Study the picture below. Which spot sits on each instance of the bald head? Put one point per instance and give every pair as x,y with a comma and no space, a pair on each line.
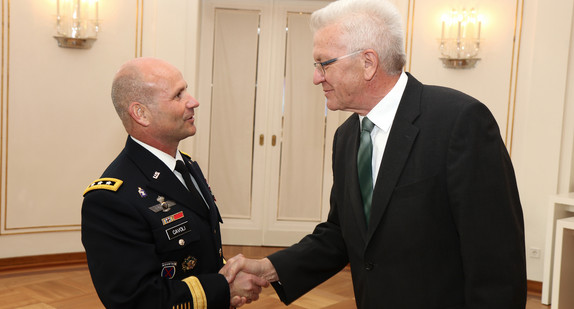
151,98
137,81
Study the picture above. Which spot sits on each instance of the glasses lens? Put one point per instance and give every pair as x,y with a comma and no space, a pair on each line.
319,66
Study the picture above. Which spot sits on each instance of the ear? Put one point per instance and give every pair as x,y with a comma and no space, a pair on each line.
371,60
139,113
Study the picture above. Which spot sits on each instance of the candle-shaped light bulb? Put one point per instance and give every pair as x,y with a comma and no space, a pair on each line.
479,25
442,29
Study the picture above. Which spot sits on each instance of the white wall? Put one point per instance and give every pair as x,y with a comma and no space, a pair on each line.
543,130
59,130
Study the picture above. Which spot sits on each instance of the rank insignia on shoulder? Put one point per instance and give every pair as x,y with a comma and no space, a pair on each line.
111,184
185,154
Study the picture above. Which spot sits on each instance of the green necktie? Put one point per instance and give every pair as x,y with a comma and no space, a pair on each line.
364,165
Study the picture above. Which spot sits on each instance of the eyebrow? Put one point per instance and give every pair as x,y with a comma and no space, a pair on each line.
180,89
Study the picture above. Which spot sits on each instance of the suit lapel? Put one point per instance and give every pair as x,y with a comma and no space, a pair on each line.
401,138
354,191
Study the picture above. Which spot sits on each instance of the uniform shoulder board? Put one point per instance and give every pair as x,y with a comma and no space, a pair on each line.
185,154
111,184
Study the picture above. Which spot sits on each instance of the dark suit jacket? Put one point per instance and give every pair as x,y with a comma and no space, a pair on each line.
137,255
446,228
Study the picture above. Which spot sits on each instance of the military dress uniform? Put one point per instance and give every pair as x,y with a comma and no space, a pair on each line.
151,243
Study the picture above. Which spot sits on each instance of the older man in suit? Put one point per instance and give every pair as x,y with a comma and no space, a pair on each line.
424,204
150,225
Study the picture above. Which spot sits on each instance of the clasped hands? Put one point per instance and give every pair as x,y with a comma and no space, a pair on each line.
247,277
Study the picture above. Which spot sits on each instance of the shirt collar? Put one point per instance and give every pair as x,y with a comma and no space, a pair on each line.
383,114
162,156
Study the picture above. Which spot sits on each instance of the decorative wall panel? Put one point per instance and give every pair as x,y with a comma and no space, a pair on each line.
60,129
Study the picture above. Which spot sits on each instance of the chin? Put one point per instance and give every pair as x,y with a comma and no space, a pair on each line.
191,129
333,106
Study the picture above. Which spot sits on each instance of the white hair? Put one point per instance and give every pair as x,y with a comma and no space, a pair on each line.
374,24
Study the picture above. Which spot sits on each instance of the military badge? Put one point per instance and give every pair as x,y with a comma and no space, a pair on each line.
172,218
168,269
163,205
142,192
188,263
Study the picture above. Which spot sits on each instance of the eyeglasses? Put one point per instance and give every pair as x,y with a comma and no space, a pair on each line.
321,65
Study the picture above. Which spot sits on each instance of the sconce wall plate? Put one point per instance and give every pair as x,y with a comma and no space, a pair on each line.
462,63
79,43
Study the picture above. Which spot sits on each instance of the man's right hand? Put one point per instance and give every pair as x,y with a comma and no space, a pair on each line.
246,277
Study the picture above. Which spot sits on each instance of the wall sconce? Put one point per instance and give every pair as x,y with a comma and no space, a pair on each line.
77,23
460,39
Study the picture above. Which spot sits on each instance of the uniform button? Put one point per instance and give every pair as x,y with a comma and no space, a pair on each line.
181,242
369,266
220,253
214,231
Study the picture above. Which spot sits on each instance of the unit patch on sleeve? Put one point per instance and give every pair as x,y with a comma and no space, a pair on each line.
111,184
168,269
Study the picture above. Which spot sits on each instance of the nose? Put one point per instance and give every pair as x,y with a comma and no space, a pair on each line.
318,76
192,102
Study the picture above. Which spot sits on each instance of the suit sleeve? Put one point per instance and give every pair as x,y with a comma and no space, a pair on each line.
316,258
124,265
487,211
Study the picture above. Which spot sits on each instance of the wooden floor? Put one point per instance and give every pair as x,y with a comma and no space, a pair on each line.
70,286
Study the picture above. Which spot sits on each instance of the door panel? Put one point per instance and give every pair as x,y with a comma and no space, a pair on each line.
233,109
303,128
268,133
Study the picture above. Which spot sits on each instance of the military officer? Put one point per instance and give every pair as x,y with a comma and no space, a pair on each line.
150,225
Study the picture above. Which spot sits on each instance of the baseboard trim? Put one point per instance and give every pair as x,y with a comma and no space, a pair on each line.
38,261
534,287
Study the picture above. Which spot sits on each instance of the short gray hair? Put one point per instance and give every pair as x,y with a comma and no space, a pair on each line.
129,86
374,24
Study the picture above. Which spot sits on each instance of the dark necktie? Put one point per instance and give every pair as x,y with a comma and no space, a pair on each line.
364,166
182,169
185,172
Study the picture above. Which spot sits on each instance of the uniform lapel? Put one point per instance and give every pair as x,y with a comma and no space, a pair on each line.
162,179
205,190
401,138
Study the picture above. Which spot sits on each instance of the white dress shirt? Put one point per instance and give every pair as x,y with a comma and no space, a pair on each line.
382,115
170,162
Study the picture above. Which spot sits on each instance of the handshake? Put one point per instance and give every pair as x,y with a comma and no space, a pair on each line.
247,277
